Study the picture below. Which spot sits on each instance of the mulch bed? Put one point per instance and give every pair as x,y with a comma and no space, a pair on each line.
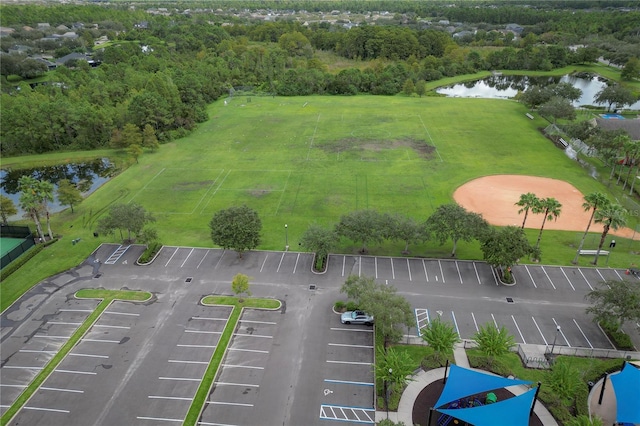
429,395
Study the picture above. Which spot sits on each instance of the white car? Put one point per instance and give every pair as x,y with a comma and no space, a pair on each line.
356,317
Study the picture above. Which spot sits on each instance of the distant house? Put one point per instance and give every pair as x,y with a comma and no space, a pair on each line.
5,31
142,25
62,28
463,34
631,126
77,57
69,35
19,49
43,25
514,28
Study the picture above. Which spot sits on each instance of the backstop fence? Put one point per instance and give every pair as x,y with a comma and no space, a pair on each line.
12,231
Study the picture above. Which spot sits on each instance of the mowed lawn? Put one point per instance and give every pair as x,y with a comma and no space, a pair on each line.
311,159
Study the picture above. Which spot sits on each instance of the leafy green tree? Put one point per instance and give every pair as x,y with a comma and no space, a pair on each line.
149,139
405,229
134,151
567,91
452,221
131,217
615,302
394,368
240,285
34,199
421,88
7,208
441,337
365,226
612,216
535,96
296,44
68,194
631,69
615,94
503,247
550,208
592,201
236,228
319,240
529,202
408,88
493,342
389,309
558,108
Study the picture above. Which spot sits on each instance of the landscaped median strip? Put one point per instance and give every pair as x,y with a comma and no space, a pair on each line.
107,297
197,405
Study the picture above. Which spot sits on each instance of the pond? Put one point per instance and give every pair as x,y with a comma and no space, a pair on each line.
507,86
89,176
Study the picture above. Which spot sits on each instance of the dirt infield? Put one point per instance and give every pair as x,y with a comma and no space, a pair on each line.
495,197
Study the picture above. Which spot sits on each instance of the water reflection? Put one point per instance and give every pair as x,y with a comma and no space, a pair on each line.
508,86
88,176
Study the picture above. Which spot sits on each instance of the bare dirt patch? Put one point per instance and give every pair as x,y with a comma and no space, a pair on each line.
191,186
355,144
260,192
495,197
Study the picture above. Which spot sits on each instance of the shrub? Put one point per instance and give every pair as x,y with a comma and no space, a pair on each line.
340,306
351,306
150,252
619,338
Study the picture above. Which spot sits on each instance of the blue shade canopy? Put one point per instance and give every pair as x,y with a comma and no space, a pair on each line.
626,386
463,382
508,412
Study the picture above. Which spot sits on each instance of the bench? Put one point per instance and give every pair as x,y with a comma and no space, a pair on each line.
593,252
529,116
563,142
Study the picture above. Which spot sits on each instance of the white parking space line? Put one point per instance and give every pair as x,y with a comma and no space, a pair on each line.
176,398
545,272
203,332
209,319
187,258
585,278
54,410
605,335
359,266
237,384
214,424
351,329
393,271
101,340
527,269
160,419
252,335
51,337
12,386
561,332
424,266
348,382
174,253
375,265
455,323
196,346
519,332
37,352
344,261
441,273
263,262
220,260
202,260
583,335
495,323
177,361
63,323
475,323
258,322
350,346
242,366
539,331
568,280
112,326
409,269
349,362
281,259
296,265
601,276
459,274
131,314
477,275
88,373
18,367
180,379
248,350
88,355
61,390
76,310
495,276
237,404
619,276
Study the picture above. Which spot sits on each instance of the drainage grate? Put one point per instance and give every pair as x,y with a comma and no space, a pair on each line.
97,275
509,300
188,280
312,287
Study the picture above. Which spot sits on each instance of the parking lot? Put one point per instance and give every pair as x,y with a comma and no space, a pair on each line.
141,363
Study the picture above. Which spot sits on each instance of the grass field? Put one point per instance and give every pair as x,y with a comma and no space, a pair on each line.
304,160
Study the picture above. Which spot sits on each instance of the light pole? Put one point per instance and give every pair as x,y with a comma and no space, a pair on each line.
286,237
387,391
555,338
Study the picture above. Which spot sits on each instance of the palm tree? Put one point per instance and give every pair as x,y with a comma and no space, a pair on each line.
45,192
551,209
592,202
613,217
30,201
633,151
528,202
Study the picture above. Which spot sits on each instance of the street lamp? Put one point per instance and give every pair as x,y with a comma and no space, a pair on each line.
555,338
387,391
286,237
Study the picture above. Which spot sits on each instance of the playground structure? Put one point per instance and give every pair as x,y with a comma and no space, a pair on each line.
468,402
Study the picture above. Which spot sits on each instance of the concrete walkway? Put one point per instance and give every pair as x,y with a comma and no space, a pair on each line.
425,378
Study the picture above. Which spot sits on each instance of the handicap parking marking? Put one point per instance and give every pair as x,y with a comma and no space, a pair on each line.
348,414
422,319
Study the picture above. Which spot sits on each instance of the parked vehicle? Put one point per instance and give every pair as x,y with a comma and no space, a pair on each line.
356,317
